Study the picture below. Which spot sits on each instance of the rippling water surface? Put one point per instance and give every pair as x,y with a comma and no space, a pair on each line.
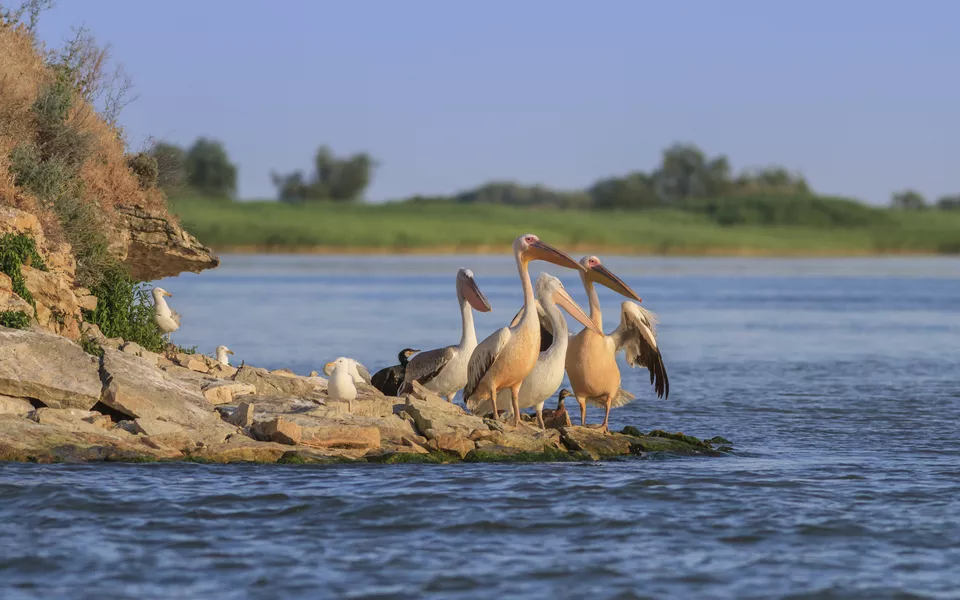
837,381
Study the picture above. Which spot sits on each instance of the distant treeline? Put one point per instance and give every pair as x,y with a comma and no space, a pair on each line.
686,179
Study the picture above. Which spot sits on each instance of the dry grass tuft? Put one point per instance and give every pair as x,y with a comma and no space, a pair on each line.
104,175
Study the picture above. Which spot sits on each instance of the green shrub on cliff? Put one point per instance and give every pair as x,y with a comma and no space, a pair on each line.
124,310
17,250
14,319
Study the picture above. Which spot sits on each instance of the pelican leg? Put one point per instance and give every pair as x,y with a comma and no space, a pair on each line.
606,416
515,398
493,402
540,416
583,411
349,406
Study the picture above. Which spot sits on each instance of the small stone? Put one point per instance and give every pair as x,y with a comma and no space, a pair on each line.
243,416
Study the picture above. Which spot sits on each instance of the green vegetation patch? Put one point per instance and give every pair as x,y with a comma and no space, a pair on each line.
14,319
124,310
17,250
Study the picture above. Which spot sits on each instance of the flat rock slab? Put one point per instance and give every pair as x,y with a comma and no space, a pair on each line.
48,368
434,416
268,383
136,388
222,391
24,440
595,442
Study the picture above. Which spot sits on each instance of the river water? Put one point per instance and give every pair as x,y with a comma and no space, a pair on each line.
836,380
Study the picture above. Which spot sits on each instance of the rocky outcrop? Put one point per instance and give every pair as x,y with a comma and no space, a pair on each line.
59,404
156,247
58,298
47,368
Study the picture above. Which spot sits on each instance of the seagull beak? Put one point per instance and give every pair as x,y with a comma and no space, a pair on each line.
543,251
606,278
168,294
565,302
474,296
229,351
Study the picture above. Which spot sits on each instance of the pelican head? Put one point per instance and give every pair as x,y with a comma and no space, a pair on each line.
551,290
405,355
528,247
467,288
593,270
160,292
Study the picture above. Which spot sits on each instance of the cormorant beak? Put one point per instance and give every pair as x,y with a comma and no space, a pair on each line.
565,302
602,275
473,295
540,250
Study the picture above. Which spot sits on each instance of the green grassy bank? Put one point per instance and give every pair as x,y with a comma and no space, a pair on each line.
775,227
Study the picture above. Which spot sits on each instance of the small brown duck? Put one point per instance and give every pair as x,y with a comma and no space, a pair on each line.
555,419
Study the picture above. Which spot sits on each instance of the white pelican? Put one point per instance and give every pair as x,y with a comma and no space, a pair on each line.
222,358
508,355
444,370
167,320
390,379
342,384
357,371
592,359
545,378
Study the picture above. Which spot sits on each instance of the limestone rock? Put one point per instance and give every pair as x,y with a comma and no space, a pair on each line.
26,440
340,436
595,442
13,220
136,388
268,383
242,449
222,371
74,420
193,362
243,415
221,391
156,247
48,368
435,416
137,350
9,300
529,441
283,373
15,406
58,309
279,430
451,444
154,427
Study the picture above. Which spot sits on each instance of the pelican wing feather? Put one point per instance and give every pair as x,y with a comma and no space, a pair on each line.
483,358
637,337
425,367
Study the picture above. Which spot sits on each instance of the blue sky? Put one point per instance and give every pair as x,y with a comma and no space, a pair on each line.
862,96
